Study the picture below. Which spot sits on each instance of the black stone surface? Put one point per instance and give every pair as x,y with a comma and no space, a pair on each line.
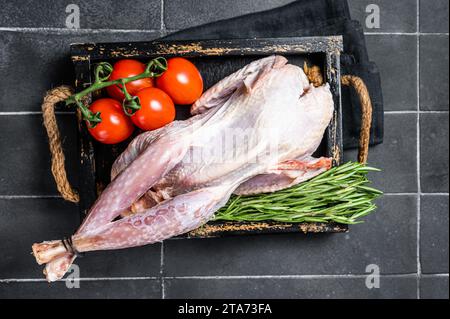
180,14
25,164
387,239
99,14
38,61
434,143
435,287
30,220
433,74
396,157
47,219
34,51
434,234
395,16
291,288
104,289
396,58
434,16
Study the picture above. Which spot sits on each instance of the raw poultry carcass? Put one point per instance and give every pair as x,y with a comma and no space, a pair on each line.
253,132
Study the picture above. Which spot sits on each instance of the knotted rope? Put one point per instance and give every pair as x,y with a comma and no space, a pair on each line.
53,97
315,77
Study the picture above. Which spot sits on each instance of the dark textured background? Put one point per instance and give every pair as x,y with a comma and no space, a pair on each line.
407,237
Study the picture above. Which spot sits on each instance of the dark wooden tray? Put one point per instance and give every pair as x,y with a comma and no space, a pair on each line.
215,59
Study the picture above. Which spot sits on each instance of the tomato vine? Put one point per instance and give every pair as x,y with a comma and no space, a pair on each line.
102,72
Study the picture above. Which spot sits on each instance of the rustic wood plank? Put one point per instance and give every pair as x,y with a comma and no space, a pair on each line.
335,135
87,183
220,228
284,46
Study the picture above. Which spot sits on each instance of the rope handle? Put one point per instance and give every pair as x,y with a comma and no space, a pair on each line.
366,114
315,77
51,98
61,93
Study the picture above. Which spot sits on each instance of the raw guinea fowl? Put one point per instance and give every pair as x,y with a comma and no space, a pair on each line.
253,132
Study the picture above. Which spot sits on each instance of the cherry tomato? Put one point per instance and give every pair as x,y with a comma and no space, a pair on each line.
115,126
182,81
125,69
157,109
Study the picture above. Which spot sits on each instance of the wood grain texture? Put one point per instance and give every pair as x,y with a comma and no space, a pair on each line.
242,47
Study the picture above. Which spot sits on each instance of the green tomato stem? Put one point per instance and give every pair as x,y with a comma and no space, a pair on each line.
154,68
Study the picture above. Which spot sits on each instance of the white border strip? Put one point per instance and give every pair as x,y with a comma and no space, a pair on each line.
163,28
76,31
419,191
19,280
342,276
30,197
406,33
161,271
415,112
20,113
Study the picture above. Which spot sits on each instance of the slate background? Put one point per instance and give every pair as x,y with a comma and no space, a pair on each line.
407,237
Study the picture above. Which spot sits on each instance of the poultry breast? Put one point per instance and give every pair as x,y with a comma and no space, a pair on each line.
254,131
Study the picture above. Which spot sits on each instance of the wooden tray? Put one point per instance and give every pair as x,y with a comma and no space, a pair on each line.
215,59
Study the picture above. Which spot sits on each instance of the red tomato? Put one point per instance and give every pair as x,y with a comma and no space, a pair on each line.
157,109
115,126
182,81
126,69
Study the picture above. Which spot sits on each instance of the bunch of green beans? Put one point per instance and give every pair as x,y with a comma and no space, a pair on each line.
338,195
